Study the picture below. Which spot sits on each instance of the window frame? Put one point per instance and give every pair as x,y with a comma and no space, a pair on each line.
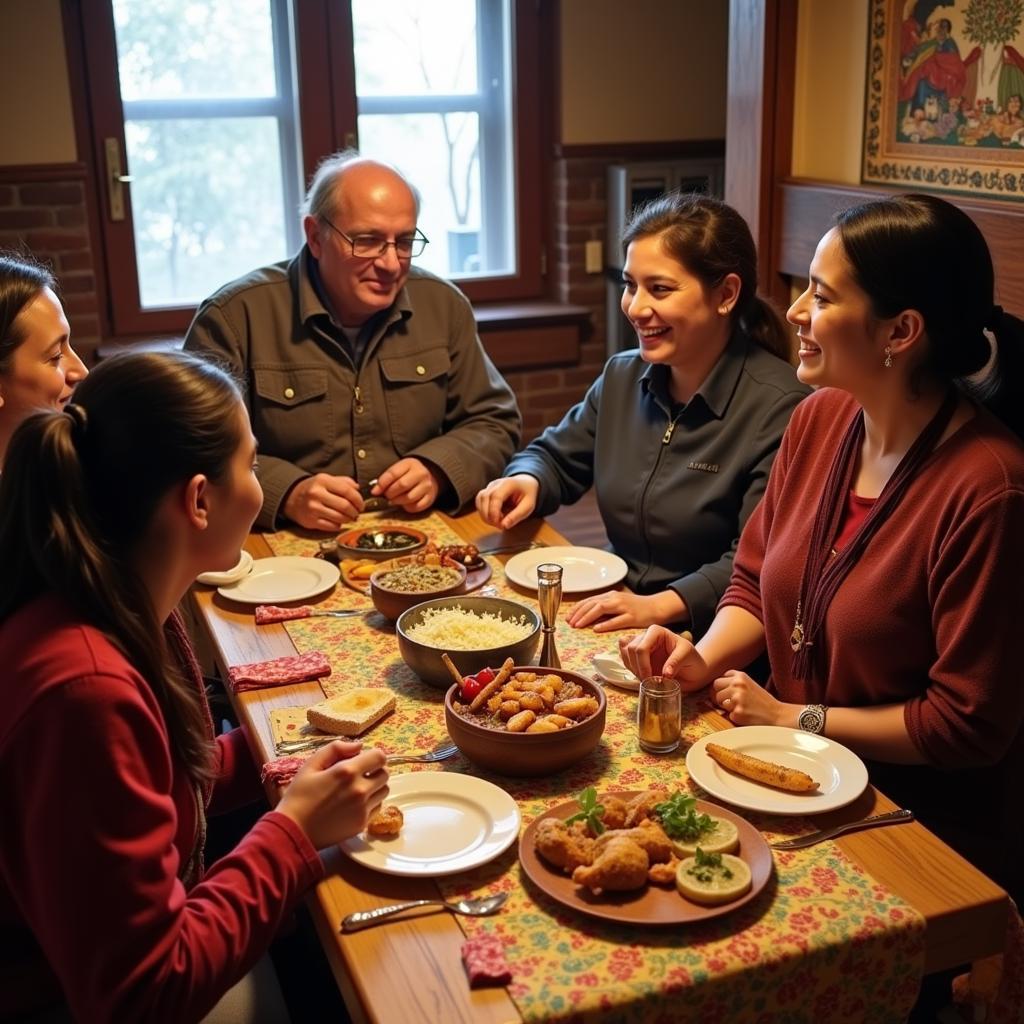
324,76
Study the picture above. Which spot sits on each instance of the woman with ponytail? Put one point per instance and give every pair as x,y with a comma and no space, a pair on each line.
676,436
109,509
882,570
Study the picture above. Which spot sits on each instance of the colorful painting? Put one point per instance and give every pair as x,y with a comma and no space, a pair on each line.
945,96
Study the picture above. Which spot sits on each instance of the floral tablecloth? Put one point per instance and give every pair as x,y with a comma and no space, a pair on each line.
824,941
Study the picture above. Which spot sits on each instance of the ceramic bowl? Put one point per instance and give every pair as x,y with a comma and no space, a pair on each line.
349,546
391,603
528,754
426,662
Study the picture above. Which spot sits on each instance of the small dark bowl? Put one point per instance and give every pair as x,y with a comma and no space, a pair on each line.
426,662
348,542
528,754
391,603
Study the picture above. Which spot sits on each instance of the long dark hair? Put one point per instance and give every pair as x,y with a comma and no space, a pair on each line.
711,240
21,280
80,488
920,252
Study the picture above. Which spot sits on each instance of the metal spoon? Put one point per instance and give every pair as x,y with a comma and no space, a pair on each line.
472,908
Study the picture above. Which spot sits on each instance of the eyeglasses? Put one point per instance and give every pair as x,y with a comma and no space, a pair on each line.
373,246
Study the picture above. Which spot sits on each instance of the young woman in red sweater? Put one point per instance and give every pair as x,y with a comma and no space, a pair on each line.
881,571
109,509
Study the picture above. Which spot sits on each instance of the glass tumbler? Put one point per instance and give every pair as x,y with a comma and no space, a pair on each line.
659,714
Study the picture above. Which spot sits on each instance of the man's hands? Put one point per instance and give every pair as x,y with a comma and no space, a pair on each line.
323,502
410,484
326,502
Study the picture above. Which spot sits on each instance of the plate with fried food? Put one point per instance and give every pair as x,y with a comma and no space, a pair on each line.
436,823
648,866
776,770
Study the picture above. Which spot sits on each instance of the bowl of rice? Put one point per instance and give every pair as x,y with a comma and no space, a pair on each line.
474,631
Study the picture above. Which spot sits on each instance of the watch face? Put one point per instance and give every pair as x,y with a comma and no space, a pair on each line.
812,719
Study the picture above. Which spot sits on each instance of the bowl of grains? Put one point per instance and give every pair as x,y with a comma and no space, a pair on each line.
474,631
403,582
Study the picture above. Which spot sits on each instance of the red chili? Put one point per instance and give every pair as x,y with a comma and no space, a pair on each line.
471,686
485,676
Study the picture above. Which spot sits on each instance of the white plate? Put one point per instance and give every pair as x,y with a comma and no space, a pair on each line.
614,673
839,772
221,579
452,823
582,568
274,580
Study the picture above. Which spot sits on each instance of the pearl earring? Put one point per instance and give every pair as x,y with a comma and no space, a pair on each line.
888,357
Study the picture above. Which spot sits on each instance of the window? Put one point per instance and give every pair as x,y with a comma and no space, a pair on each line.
208,118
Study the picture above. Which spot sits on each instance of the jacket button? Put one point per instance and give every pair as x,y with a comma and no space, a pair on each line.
421,370
361,453
289,392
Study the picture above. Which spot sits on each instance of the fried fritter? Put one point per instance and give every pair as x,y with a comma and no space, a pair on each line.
649,836
385,822
614,812
563,846
663,874
640,808
620,865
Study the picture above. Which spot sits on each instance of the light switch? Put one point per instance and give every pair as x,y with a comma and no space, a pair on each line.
593,257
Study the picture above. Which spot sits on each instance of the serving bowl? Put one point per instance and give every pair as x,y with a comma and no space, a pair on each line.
391,603
371,541
525,754
425,660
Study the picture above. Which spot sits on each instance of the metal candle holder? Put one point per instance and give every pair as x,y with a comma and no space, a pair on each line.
549,598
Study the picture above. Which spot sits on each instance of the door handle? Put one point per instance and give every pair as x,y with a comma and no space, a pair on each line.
116,178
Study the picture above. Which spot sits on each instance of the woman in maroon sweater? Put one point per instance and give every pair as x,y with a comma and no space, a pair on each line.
108,512
881,569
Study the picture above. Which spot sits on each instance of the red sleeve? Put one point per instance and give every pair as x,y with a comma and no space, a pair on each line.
90,858
974,704
237,781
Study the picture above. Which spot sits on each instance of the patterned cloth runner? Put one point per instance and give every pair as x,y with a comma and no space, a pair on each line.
824,941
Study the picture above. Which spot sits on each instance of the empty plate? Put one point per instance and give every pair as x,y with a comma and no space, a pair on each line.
583,569
276,580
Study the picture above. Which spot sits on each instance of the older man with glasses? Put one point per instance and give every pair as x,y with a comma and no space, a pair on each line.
365,375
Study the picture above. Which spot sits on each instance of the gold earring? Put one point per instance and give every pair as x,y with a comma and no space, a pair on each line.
888,357
723,310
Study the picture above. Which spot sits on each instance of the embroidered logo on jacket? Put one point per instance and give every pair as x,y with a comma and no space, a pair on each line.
704,467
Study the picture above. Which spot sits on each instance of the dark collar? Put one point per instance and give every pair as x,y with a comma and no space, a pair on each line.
313,300
718,387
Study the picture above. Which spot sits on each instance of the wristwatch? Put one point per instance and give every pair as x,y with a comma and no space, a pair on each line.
812,718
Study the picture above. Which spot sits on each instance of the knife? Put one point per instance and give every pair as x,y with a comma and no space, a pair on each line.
889,818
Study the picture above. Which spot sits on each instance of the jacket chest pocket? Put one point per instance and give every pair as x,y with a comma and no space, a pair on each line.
291,411
416,394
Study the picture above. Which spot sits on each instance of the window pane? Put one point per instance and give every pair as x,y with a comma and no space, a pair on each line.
415,47
169,49
207,202
434,96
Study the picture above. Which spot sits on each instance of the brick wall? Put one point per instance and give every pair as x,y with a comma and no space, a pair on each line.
42,210
578,192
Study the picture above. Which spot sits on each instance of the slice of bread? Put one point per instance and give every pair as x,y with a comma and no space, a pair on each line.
353,712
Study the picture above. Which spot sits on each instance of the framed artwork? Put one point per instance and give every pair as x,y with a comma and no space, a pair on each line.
945,97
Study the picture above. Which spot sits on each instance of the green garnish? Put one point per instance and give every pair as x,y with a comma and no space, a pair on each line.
680,820
705,866
591,812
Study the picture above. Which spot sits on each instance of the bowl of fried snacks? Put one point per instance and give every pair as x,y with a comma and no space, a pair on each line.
526,720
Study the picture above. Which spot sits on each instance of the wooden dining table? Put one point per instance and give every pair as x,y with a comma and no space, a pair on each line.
411,969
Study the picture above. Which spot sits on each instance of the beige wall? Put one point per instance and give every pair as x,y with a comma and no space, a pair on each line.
36,125
831,71
643,70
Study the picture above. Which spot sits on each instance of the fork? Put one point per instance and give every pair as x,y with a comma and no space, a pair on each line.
830,833
437,754
472,908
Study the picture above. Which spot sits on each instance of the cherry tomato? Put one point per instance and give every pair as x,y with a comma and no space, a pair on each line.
471,686
485,675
